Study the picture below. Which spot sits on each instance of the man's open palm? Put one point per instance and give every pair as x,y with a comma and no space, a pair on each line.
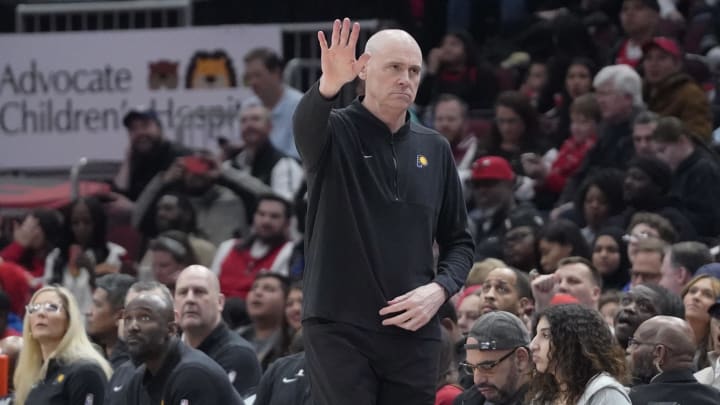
339,65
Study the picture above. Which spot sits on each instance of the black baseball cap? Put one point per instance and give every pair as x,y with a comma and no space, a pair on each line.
498,330
140,113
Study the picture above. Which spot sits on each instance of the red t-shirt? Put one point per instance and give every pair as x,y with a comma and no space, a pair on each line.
446,394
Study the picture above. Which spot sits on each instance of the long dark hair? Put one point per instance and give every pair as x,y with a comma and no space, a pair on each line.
521,105
610,182
621,276
581,346
51,223
98,239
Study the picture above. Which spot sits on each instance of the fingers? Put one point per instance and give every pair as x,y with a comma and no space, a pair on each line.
393,307
399,299
345,32
354,35
336,33
322,41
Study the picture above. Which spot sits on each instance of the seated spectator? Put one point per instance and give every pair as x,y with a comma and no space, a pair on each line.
681,262
584,119
641,303
266,308
639,20
696,176
293,310
264,75
506,289
260,158
514,133
199,305
171,253
698,295
221,213
647,262
285,382
147,154
642,130
557,240
58,364
577,82
520,242
450,116
498,359
491,186
266,250
661,357
87,253
469,308
609,256
598,200
710,375
104,314
619,95
644,226
646,187
35,244
535,80
174,211
578,361
454,68
670,92
576,277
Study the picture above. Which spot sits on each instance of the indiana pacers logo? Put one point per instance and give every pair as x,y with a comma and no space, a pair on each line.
421,161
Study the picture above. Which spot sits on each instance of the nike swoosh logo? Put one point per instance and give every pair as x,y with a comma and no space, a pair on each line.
118,388
368,156
288,380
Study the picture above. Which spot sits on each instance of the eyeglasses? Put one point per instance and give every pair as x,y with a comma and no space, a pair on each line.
636,237
47,307
485,365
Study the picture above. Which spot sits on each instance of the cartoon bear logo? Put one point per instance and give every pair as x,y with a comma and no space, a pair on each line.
163,73
210,70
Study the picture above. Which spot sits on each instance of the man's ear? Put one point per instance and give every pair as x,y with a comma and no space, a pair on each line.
363,72
173,329
221,302
118,315
522,359
448,324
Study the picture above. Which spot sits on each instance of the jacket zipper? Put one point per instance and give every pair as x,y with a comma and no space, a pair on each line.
394,155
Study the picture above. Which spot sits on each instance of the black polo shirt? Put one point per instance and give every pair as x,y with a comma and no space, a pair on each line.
187,376
236,356
80,382
115,393
285,383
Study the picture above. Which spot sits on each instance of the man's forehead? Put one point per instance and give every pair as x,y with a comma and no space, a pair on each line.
642,292
145,300
575,270
502,275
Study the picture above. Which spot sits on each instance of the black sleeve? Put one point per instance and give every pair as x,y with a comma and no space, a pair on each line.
86,385
196,386
265,388
453,235
244,363
311,127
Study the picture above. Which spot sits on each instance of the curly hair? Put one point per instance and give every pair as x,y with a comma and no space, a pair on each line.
581,346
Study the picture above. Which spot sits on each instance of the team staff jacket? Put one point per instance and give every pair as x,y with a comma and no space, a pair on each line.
187,377
285,383
79,382
236,356
376,203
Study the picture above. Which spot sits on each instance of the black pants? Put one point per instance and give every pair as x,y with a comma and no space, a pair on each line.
352,366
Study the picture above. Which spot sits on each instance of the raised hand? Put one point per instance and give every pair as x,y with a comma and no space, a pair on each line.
338,62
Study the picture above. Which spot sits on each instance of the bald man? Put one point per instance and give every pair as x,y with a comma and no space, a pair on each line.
661,356
381,189
199,305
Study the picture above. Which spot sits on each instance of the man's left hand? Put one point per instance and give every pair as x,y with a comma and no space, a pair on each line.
415,308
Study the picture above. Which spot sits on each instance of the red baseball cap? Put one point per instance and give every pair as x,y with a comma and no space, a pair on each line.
196,164
666,44
492,168
559,299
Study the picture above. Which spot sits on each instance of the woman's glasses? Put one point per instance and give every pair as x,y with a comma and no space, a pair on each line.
47,307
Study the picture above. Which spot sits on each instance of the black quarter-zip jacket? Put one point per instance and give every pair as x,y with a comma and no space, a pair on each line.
376,203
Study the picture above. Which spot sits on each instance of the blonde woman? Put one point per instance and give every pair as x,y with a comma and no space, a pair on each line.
698,295
58,365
